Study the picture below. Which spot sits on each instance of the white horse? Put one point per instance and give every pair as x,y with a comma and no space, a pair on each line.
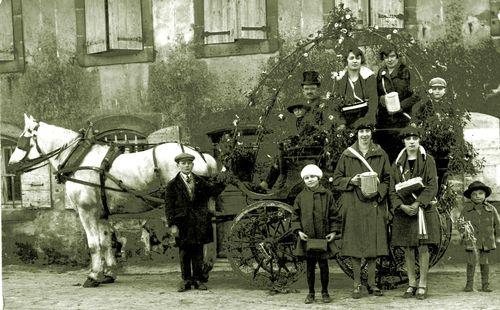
136,170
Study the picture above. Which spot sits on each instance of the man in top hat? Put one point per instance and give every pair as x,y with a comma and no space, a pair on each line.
186,209
485,222
310,90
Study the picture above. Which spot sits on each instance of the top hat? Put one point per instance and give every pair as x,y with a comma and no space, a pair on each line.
410,131
310,78
183,156
475,186
437,81
291,107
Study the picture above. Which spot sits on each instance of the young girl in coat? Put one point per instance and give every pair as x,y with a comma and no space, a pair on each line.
486,223
315,217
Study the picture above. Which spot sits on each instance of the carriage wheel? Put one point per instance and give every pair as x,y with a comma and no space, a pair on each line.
261,244
391,270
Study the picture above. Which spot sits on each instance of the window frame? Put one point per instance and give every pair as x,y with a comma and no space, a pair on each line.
112,57
238,47
17,64
10,204
367,17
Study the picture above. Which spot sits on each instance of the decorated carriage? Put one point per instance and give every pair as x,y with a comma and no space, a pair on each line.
259,242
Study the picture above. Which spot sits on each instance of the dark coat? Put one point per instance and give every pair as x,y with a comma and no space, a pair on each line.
191,216
397,81
318,106
366,89
364,232
405,227
486,223
314,213
427,108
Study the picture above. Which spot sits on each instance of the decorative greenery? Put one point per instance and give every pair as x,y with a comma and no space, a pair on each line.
52,89
182,89
279,83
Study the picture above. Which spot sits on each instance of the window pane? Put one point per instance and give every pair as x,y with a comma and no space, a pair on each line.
359,9
387,13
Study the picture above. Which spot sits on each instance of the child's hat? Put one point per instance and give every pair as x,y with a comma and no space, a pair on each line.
475,186
437,81
311,170
291,107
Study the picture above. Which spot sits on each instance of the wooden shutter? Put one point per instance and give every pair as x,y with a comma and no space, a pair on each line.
95,26
6,31
251,22
387,13
125,24
36,187
219,21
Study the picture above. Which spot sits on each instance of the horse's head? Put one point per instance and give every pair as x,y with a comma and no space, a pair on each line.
26,148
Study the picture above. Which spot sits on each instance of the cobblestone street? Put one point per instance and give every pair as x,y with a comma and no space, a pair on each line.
141,287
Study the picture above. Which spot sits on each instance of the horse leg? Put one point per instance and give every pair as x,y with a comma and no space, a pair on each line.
89,222
108,251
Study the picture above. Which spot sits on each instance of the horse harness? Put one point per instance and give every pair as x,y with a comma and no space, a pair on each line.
71,164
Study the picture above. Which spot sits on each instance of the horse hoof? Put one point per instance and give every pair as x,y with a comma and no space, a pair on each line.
107,279
90,283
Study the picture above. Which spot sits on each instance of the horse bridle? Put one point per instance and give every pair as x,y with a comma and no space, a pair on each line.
24,144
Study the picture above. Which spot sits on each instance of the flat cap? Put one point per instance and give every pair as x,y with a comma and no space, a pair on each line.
183,156
437,81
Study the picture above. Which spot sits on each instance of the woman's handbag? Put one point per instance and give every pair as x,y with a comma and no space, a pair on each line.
317,245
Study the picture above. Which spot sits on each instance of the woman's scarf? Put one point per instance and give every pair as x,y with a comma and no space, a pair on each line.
419,166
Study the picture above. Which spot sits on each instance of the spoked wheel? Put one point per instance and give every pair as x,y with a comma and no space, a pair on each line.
391,270
261,244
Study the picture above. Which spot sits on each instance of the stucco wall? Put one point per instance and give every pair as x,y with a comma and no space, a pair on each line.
123,88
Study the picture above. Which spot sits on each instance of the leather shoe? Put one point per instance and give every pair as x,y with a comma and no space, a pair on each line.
184,286
374,290
309,299
200,286
356,293
325,297
410,292
421,296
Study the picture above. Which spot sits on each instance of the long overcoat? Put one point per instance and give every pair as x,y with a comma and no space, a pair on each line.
364,232
486,223
405,227
315,214
190,215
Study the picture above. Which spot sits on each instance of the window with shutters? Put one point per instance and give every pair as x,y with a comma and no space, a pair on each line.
236,27
11,36
114,31
381,13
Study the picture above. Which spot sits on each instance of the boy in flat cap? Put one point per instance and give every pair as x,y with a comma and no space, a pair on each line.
186,209
437,105
486,228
